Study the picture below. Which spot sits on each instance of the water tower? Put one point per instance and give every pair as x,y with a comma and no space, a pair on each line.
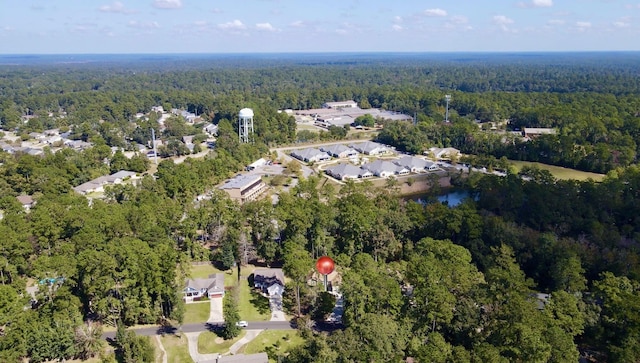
245,124
446,115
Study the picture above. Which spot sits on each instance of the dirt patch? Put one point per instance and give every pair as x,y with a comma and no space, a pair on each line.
219,340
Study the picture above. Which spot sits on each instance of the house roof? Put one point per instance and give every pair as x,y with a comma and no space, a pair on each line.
214,283
308,154
343,169
337,149
267,273
412,162
25,199
380,166
368,146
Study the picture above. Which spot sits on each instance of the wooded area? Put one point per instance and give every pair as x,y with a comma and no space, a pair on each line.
429,281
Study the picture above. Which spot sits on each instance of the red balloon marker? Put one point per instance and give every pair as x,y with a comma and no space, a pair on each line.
325,266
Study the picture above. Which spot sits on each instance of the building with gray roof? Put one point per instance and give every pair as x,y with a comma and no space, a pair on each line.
415,164
385,169
310,155
339,151
344,171
371,148
244,187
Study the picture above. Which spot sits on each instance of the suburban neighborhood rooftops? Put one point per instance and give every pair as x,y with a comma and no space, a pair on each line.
369,147
412,162
337,149
346,170
274,274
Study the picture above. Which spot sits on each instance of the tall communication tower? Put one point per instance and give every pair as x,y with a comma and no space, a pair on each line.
446,115
245,124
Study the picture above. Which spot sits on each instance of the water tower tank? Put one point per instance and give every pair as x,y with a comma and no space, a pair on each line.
246,112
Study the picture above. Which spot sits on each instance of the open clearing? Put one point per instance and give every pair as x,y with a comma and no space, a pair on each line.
559,172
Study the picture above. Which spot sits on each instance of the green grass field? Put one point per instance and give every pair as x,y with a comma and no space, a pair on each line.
203,271
280,340
559,172
209,342
177,348
197,312
251,305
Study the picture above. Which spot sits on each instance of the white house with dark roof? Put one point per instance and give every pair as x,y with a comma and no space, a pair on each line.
196,289
310,155
339,151
344,171
371,148
385,169
269,280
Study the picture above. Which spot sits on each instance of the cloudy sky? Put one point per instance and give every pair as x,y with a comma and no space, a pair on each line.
231,26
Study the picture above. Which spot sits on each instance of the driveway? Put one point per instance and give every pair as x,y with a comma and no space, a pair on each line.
215,314
275,303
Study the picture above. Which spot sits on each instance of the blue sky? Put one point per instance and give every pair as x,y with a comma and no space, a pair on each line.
232,26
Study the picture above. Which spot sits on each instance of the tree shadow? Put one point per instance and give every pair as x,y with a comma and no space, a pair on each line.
260,302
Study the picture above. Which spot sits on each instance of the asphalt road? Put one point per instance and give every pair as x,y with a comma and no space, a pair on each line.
200,327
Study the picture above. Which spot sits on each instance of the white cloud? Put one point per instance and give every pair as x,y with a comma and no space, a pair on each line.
200,23
503,22
115,7
458,22
341,31
397,19
297,24
265,27
536,4
435,12
621,24
555,22
583,24
216,11
232,25
143,25
397,28
167,4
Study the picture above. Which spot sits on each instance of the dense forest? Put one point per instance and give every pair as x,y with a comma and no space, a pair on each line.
422,280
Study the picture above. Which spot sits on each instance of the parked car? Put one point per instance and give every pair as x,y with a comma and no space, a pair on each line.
242,324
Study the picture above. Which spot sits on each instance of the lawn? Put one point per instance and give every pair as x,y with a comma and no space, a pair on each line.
209,343
177,348
281,341
252,306
197,312
559,172
203,271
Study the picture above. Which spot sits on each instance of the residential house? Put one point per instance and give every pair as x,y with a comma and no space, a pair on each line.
269,280
244,187
77,144
339,151
385,169
414,164
442,153
371,148
196,289
211,129
7,148
310,155
52,132
157,109
26,201
344,171
37,135
431,166
97,185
